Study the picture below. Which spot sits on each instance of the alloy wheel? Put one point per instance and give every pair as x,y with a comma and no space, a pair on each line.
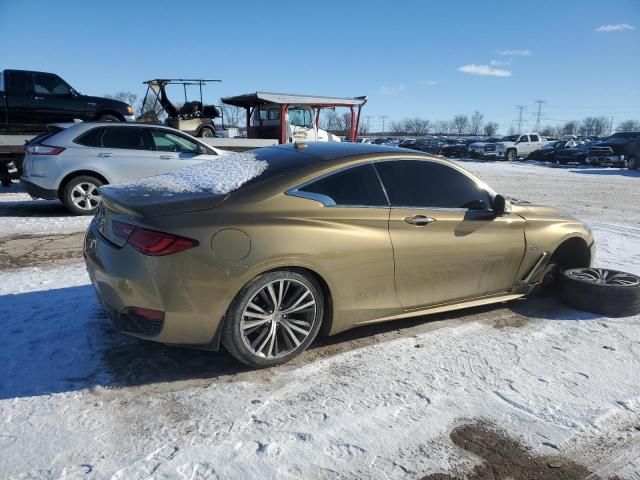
278,318
604,277
85,196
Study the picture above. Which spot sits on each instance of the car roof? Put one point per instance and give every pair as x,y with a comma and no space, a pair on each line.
328,151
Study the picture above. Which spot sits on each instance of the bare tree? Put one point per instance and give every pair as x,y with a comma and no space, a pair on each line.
233,116
477,120
490,129
126,97
629,126
460,124
548,131
570,127
597,126
398,127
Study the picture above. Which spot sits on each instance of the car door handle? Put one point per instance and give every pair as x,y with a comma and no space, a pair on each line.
105,154
419,220
167,157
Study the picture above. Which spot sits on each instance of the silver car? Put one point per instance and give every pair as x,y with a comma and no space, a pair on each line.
73,160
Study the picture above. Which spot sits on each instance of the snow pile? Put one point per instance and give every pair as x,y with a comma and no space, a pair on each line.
220,176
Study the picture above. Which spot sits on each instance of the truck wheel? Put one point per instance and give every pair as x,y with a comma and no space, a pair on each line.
207,132
598,290
511,155
107,117
632,163
81,195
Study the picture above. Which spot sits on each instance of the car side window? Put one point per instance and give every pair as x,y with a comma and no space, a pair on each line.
535,138
127,138
165,141
523,138
426,184
17,83
357,186
47,84
92,138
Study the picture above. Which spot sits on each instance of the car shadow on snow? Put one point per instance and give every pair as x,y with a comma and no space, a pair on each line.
623,172
60,340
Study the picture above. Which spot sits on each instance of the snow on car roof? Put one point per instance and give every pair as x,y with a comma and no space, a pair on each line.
219,176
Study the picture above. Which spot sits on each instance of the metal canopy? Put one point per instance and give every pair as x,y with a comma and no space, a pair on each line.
261,98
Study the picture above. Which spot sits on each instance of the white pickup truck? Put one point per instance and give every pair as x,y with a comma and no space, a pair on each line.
518,146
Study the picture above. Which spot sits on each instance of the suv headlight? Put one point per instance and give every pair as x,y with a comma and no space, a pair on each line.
129,109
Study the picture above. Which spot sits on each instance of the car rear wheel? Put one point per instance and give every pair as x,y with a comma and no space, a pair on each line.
274,318
598,290
81,195
632,163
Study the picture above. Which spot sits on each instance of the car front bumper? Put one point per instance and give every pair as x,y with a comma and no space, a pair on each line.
613,159
130,118
36,191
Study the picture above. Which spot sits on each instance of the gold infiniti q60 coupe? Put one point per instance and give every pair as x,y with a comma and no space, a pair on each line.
262,250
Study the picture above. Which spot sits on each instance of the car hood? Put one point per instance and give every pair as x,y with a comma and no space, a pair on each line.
574,151
532,211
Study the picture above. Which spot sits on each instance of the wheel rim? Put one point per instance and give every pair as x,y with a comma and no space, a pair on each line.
85,196
604,277
278,318
206,133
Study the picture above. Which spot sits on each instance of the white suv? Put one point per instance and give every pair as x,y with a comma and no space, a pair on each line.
73,160
518,146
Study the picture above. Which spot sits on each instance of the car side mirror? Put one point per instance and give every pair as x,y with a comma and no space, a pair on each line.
499,205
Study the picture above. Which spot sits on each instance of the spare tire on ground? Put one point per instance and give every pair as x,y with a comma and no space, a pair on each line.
608,292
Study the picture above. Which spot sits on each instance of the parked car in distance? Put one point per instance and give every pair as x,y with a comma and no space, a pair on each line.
547,152
72,161
29,101
403,234
458,148
521,146
407,143
577,154
429,145
612,150
486,148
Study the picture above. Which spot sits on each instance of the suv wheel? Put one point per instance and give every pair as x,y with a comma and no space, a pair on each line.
598,290
274,318
632,163
81,195
511,155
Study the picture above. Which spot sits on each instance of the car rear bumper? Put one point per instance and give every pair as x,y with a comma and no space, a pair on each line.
125,279
36,191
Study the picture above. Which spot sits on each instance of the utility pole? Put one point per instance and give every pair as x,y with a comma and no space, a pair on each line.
383,117
539,102
521,109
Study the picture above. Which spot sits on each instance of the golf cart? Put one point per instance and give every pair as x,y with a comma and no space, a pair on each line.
191,117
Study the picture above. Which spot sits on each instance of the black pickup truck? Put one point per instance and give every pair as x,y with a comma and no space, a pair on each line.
31,100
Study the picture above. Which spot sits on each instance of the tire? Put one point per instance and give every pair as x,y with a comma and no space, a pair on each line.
632,163
254,304
107,117
606,292
76,188
207,132
511,156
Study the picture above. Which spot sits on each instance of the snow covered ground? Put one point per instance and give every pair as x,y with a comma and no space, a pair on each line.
78,400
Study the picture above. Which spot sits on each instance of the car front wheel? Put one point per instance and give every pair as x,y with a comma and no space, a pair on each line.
81,195
274,318
511,155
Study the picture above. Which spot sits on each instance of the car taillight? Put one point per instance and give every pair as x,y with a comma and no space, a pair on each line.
151,242
44,150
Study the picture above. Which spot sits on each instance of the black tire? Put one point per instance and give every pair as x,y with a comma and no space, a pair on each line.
612,300
107,117
70,195
232,337
512,155
632,163
207,132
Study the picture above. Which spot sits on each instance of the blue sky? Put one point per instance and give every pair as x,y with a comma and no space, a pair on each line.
406,56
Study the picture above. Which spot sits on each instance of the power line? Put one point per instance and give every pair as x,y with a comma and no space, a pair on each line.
521,109
539,102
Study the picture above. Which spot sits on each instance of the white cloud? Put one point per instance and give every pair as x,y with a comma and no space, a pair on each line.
484,70
430,82
497,63
391,89
619,27
514,53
